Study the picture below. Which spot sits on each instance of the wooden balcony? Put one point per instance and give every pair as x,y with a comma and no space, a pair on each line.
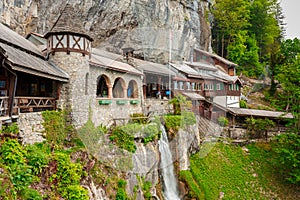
35,104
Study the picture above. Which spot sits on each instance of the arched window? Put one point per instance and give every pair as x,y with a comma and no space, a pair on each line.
102,86
132,90
86,92
118,88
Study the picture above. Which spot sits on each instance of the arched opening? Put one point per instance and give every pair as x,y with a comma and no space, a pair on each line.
132,90
118,88
102,86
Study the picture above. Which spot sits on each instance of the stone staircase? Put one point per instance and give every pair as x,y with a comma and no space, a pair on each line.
208,128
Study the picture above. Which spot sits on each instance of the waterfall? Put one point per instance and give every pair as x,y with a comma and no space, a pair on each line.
169,181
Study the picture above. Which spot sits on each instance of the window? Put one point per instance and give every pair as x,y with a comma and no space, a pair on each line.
118,91
102,86
175,85
218,86
193,86
2,84
180,85
132,91
188,85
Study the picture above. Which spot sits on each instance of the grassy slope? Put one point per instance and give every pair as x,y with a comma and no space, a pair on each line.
237,174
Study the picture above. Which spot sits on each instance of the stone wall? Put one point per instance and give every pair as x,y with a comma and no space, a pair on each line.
31,127
157,106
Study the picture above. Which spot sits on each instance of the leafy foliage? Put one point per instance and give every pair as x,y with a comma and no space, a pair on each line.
75,192
123,140
121,194
57,126
258,128
288,148
223,121
13,128
180,103
174,122
139,118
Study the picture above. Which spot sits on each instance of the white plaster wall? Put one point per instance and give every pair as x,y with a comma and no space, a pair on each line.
233,101
221,100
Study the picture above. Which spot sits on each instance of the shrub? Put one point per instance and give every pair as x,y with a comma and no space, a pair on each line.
123,139
188,118
75,192
67,173
121,194
30,194
151,132
138,118
37,158
287,147
243,104
55,127
13,128
223,121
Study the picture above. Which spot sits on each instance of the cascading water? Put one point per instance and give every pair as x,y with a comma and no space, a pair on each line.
166,165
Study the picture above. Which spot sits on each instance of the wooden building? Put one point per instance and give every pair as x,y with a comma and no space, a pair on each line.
27,81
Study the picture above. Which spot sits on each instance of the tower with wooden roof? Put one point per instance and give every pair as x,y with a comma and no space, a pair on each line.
68,35
69,47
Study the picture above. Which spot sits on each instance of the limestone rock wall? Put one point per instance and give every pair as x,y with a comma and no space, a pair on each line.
151,27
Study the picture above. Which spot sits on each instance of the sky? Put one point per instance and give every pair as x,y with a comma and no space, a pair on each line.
292,18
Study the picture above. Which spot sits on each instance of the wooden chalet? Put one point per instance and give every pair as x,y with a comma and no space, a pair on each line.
27,81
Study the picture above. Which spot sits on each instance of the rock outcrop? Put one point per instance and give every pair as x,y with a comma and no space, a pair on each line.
152,27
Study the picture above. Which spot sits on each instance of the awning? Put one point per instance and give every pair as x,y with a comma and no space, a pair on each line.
193,96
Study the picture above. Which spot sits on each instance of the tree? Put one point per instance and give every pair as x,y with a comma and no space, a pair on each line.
230,18
287,73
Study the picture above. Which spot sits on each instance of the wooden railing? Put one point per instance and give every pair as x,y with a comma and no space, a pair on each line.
3,106
31,104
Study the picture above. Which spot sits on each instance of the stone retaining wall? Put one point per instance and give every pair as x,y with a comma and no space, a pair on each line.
31,127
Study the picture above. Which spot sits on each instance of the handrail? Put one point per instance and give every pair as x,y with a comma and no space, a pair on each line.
29,104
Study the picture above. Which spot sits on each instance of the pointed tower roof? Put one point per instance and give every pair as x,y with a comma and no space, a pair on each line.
68,22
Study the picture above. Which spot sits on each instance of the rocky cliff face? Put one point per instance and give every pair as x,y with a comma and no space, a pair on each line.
151,27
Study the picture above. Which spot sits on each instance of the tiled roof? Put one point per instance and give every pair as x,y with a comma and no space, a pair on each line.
185,69
24,62
193,95
259,113
10,37
26,57
202,65
109,60
217,57
154,68
68,22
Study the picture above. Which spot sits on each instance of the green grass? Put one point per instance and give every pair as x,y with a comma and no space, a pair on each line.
237,174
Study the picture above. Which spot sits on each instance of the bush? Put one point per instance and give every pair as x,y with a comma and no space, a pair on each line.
223,121
123,140
13,128
30,194
138,118
67,172
37,159
121,194
13,155
243,104
75,192
287,147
